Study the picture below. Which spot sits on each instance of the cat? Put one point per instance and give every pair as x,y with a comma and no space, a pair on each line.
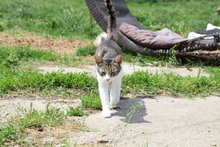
108,58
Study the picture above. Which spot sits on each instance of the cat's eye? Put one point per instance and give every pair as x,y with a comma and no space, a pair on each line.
113,74
102,73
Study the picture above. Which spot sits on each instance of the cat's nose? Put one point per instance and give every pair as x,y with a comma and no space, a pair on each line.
107,80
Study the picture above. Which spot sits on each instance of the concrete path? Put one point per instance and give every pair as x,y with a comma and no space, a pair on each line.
160,122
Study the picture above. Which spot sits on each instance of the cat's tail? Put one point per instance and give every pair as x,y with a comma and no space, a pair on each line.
112,19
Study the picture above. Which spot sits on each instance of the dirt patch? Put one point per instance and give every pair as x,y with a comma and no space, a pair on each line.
55,135
62,46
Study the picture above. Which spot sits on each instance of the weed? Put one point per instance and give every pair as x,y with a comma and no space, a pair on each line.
66,143
145,144
134,109
75,112
122,127
32,118
11,133
91,101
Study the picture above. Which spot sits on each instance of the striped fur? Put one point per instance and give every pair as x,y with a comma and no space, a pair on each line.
111,20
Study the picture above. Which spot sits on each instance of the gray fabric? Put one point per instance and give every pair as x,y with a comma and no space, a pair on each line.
162,39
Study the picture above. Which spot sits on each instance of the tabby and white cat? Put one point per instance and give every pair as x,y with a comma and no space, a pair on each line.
108,58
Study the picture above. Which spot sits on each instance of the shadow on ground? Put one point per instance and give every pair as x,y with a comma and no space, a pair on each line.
134,110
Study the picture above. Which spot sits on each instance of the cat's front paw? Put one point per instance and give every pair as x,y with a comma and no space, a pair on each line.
106,114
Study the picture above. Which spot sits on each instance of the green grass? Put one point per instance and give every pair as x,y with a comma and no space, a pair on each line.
11,133
12,59
86,51
144,82
10,56
15,56
14,79
76,112
91,101
181,16
71,18
66,18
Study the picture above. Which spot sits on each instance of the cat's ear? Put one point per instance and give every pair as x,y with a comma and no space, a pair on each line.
98,59
118,59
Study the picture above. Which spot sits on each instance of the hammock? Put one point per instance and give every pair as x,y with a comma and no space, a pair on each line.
198,47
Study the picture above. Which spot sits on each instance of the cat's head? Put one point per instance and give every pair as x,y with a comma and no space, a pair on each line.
108,69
